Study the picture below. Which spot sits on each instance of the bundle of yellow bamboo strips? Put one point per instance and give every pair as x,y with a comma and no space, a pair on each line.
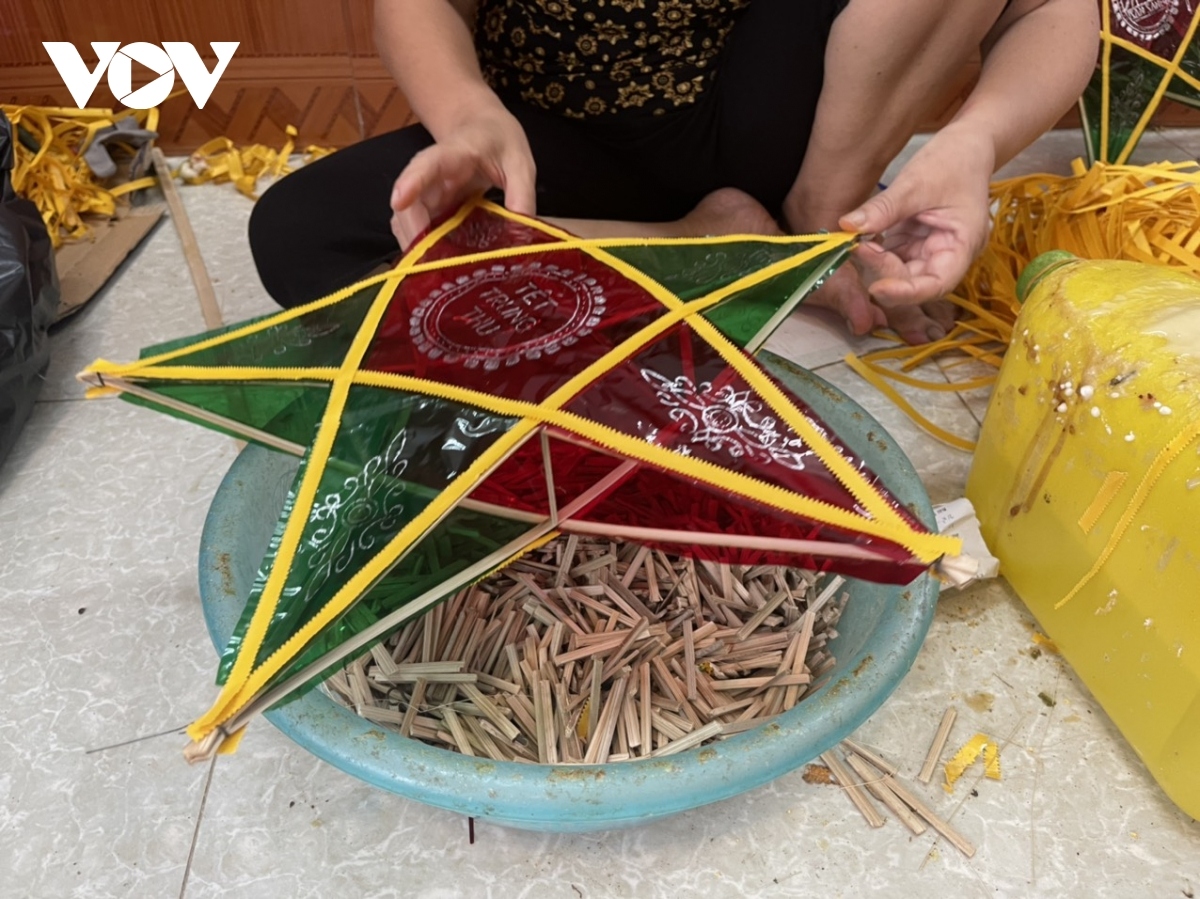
50,171
221,161
1144,213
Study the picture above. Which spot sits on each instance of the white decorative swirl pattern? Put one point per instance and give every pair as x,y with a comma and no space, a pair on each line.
360,517
726,420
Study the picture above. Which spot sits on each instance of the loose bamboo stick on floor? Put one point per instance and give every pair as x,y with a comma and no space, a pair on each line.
853,790
868,755
872,780
937,746
961,843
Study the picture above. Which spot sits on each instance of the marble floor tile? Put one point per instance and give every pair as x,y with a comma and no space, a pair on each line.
1187,140
813,337
958,370
102,640
220,215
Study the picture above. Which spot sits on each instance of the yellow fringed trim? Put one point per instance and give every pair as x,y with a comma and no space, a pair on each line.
965,758
1112,485
49,169
1142,213
221,161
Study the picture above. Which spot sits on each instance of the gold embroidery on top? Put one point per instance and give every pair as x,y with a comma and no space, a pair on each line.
674,13
583,58
560,9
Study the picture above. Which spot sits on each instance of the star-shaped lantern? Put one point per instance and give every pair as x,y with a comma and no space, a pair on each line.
504,383
1148,52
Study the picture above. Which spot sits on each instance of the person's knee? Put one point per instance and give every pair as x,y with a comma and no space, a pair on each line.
274,233
327,223
273,218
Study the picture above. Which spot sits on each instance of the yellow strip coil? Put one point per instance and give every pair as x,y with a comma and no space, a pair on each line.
221,161
49,169
1142,213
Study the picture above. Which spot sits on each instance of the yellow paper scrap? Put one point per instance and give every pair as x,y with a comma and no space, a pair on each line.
49,169
965,758
1045,642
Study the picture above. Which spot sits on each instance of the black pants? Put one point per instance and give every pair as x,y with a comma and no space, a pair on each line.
327,225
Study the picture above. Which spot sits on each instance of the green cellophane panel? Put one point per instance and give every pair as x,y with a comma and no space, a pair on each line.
171,346
695,270
1134,81
692,271
317,338
290,412
743,316
1179,90
464,538
393,454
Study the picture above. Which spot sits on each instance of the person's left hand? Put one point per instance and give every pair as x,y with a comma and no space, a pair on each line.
928,227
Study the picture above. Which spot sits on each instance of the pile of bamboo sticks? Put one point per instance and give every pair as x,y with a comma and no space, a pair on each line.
589,651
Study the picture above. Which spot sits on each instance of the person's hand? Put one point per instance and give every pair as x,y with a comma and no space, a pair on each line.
928,227
488,150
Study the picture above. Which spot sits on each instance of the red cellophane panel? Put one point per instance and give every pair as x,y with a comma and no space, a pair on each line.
522,326
517,327
648,497
1157,27
520,481
483,230
653,498
679,393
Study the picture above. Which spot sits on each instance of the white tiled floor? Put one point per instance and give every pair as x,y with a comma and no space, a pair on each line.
101,639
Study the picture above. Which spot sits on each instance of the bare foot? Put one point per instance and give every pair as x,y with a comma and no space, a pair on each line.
919,323
724,211
916,323
843,292
727,211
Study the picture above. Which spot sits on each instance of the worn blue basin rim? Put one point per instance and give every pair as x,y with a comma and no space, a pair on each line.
879,636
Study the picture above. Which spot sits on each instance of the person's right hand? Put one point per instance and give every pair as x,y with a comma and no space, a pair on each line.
488,150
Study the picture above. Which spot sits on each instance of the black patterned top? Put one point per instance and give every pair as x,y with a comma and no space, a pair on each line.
597,57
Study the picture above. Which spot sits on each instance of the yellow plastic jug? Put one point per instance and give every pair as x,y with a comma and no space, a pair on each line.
1087,483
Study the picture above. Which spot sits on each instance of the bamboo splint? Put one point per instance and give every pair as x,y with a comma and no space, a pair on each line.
590,651
879,777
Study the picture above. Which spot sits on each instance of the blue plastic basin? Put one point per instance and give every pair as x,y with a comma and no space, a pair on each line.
880,633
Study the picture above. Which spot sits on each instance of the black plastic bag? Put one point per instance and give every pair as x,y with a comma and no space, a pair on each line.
28,300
